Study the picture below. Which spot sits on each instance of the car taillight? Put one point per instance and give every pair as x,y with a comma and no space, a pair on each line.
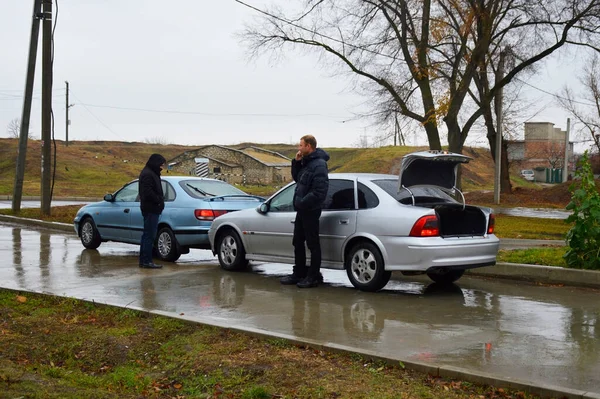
208,214
426,226
491,224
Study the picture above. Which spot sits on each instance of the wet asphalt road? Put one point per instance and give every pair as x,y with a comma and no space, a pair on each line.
543,334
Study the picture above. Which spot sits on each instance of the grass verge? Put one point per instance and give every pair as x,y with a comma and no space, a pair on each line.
53,347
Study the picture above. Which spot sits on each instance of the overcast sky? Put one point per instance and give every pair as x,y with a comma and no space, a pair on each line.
181,61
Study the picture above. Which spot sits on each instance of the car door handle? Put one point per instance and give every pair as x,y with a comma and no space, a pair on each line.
293,221
344,221
126,210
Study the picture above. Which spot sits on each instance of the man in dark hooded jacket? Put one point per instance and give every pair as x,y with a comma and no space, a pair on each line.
152,203
309,170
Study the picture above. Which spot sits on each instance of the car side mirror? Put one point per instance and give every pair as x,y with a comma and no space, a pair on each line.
109,198
263,208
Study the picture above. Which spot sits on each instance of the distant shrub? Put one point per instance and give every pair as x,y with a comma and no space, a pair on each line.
583,239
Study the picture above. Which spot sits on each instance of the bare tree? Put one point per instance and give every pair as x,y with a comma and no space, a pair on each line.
553,152
14,128
587,110
420,57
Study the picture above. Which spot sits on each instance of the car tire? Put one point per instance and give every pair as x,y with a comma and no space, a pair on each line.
445,276
88,233
166,246
365,268
231,252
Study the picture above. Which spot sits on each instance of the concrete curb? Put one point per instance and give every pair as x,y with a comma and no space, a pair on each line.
37,222
543,274
38,198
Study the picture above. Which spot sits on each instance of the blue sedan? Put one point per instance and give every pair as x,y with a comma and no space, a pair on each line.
191,205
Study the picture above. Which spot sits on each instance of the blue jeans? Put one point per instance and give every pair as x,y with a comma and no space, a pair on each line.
148,236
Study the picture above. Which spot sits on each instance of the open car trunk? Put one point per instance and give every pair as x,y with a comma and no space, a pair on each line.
456,220
420,172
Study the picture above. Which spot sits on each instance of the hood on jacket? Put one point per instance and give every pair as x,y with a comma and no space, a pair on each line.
318,153
155,161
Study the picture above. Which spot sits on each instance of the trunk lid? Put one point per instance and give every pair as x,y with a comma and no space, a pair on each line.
433,168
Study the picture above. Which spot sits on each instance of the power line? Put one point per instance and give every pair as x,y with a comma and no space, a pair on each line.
315,32
91,113
555,95
209,113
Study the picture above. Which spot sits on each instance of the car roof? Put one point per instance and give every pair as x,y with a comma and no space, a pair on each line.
180,178
362,176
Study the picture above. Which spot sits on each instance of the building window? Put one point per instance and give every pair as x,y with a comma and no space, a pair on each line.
217,169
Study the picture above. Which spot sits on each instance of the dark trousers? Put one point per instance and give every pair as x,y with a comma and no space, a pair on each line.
148,236
306,229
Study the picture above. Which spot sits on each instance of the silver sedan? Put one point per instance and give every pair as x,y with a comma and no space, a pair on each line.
371,225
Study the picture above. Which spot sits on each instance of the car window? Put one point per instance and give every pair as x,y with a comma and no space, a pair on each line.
128,193
283,202
168,191
208,188
340,195
366,197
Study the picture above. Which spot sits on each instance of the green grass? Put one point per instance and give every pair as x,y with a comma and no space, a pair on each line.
531,228
535,256
72,352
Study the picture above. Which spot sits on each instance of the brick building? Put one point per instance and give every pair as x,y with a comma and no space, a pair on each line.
543,148
250,165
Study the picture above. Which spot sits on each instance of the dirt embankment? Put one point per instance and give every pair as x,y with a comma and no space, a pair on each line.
546,196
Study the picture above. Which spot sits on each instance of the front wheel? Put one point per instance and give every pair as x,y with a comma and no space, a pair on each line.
365,268
166,245
445,276
90,237
231,252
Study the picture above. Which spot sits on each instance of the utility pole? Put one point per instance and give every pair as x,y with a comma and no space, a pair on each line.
67,120
498,103
565,174
26,112
46,105
67,116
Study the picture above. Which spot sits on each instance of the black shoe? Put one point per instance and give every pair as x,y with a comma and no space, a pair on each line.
150,265
308,282
290,279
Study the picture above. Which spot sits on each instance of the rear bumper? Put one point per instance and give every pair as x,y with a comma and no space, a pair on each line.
196,238
422,254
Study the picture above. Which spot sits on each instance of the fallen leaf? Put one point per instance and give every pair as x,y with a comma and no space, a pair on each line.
21,299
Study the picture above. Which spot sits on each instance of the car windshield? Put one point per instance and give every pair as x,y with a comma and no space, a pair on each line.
209,188
527,172
390,186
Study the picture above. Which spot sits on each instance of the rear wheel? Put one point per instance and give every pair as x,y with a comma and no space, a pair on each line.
231,252
88,233
445,276
365,268
166,245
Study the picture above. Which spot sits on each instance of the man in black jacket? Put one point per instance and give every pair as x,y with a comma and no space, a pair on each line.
152,203
309,170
